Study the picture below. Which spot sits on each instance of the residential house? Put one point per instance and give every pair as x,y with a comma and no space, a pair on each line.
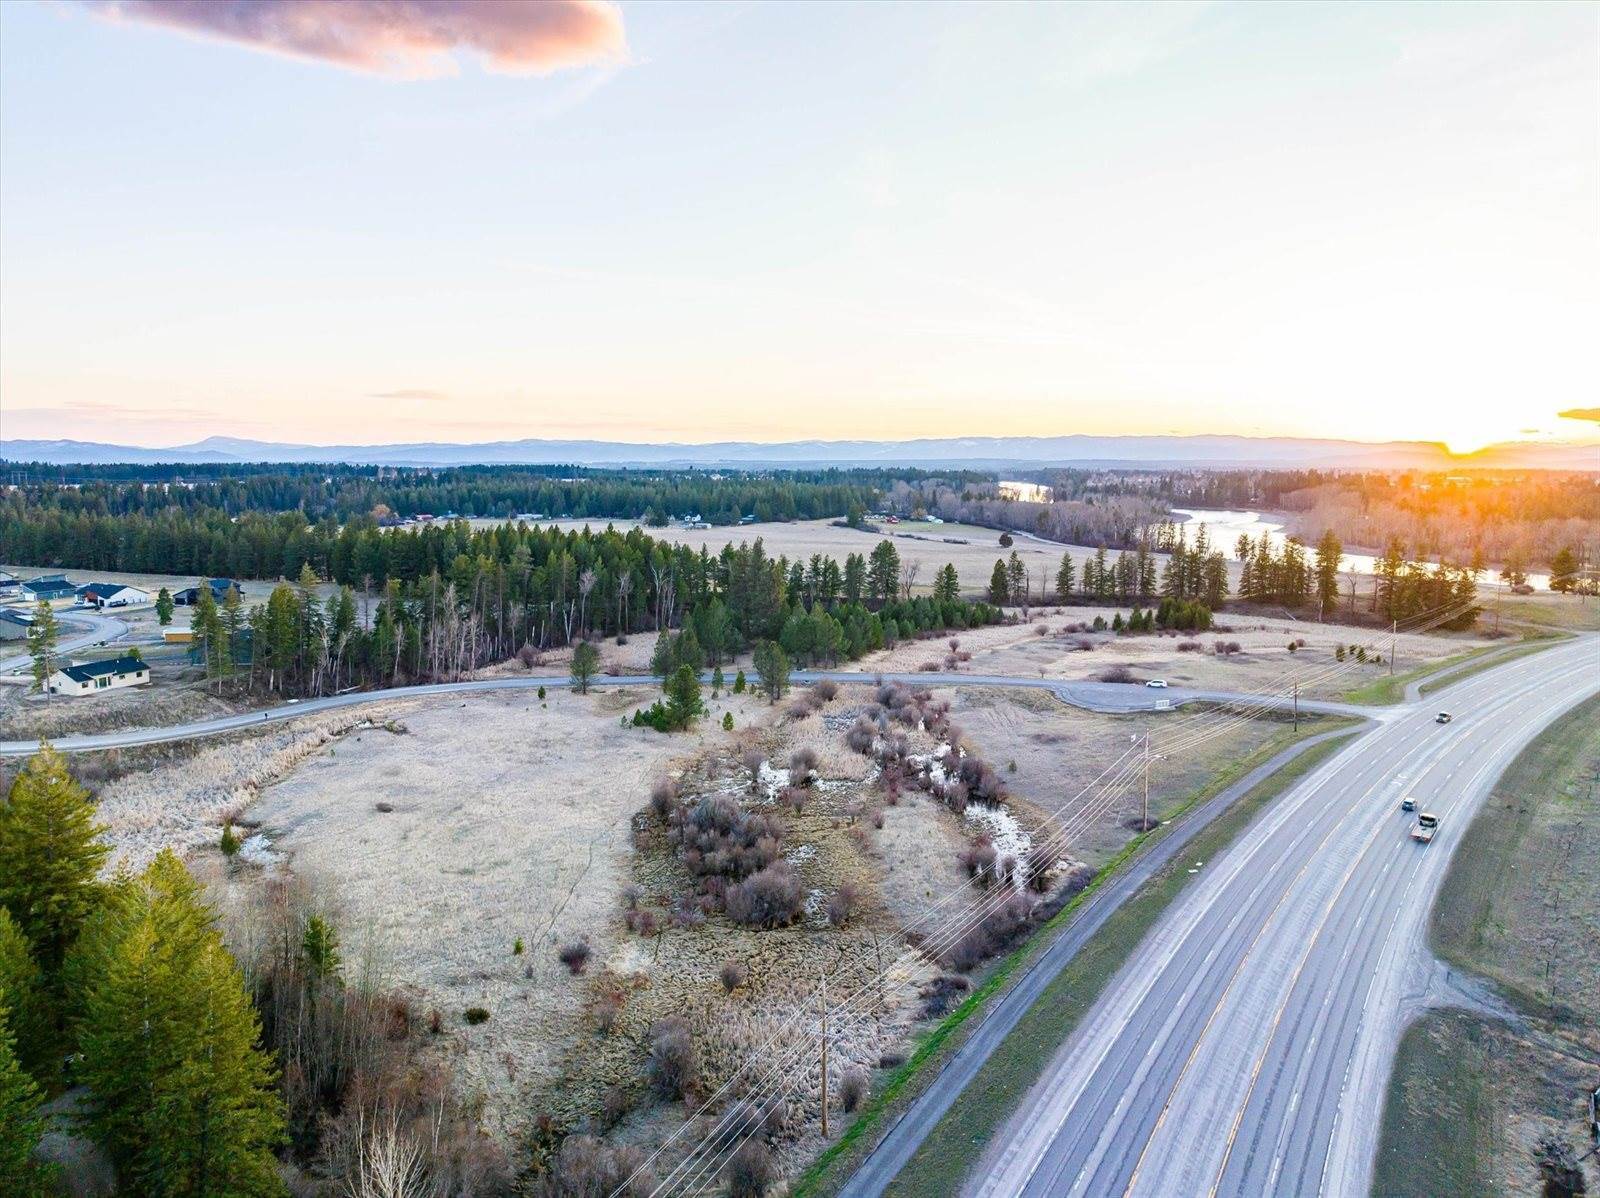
51,588
90,677
14,623
189,596
111,594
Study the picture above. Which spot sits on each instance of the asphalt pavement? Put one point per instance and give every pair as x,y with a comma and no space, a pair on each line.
1245,1048
1113,697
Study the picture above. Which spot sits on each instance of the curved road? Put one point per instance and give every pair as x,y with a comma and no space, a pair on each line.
1110,697
1245,1048
97,630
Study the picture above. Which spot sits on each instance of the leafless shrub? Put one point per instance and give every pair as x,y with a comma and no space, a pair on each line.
978,859
751,1171
608,1009
1041,863
826,689
641,922
753,760
861,735
955,643
892,1060
1226,648
852,1088
929,667
732,975
877,820
686,913
998,930
1077,879
802,765
939,995
718,837
770,898
843,904
575,955
1118,673
389,1164
663,798
631,894
674,1066
799,709
529,657
1189,646
793,797
1083,645
586,1167
1040,630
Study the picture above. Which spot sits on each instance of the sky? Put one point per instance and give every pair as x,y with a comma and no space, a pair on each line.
312,221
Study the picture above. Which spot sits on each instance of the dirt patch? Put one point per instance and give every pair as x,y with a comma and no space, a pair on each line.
1058,750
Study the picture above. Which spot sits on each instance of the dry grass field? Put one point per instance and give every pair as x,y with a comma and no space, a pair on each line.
451,832
1044,649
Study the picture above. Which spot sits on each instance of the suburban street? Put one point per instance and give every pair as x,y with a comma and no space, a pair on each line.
1113,697
1245,1048
92,630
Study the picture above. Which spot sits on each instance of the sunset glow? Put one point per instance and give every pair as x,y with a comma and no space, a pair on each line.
623,222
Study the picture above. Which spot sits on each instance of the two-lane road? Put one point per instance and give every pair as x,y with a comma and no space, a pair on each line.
1093,696
1245,1048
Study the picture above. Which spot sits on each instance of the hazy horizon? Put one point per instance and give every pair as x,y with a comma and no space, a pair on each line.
688,223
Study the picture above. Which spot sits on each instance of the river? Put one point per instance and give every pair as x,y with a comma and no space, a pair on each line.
1224,529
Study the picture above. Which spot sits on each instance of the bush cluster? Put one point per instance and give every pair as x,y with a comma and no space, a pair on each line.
770,898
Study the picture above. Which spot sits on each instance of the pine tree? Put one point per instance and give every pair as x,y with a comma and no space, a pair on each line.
42,636
1563,570
319,949
1329,554
50,856
181,1095
585,665
1064,580
773,665
164,607
20,1124
999,584
683,703
22,993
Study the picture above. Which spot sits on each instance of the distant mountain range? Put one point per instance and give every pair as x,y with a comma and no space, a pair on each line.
984,453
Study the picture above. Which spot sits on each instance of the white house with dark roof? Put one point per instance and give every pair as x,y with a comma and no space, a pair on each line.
91,677
111,594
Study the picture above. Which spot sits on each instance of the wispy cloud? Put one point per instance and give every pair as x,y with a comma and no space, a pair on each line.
410,393
1581,414
405,38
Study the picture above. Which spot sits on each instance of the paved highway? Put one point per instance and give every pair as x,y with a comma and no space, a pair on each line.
1095,696
1246,1046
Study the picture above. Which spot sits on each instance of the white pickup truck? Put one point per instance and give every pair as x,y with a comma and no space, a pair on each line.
1427,825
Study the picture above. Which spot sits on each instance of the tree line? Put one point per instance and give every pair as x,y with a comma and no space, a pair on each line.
495,492
516,589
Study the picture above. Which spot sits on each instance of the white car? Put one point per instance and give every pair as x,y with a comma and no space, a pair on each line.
1158,683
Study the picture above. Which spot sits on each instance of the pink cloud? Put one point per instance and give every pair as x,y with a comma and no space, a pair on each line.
409,38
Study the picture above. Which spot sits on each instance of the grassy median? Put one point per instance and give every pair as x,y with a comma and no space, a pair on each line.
1471,1098
945,1158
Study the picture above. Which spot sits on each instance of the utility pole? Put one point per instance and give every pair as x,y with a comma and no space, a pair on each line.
1394,627
1144,820
824,1055
1297,702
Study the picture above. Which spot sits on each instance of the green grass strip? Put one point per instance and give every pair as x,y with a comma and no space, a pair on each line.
819,1179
